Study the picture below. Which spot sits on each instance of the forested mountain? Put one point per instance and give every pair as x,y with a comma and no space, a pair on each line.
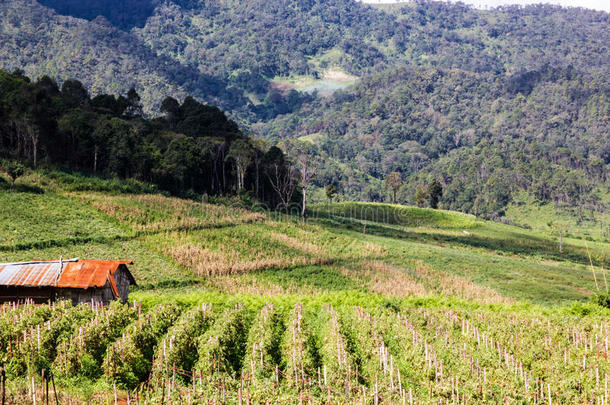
40,42
245,44
488,102
483,136
249,41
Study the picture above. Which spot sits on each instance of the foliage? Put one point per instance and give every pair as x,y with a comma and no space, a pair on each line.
483,149
128,359
39,347
222,347
300,355
602,299
426,350
421,195
393,181
178,349
82,353
435,191
188,152
331,192
14,170
263,344
514,93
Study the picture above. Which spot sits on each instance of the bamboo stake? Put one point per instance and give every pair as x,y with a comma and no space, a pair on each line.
33,392
592,269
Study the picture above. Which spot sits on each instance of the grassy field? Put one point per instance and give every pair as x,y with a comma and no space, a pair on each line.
593,226
462,309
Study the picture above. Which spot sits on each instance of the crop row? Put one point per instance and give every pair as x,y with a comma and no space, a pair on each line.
307,354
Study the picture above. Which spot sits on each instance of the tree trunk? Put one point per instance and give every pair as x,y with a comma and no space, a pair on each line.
35,138
224,175
240,178
95,158
256,179
304,208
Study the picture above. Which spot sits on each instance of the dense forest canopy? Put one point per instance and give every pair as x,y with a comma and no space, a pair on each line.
192,149
487,102
221,51
484,135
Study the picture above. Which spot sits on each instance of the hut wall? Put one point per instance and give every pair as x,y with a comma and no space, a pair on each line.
121,279
80,295
39,295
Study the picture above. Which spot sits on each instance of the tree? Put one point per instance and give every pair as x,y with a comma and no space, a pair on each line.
74,93
283,180
241,153
435,190
260,148
307,164
14,171
394,182
421,195
171,108
559,229
331,192
100,135
134,104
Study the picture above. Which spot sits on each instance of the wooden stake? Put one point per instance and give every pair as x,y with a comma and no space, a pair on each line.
592,269
33,392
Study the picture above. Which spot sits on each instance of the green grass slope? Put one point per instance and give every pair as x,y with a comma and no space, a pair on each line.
382,249
337,284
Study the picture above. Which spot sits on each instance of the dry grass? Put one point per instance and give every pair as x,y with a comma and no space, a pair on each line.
295,243
245,284
254,247
206,262
389,280
454,285
156,213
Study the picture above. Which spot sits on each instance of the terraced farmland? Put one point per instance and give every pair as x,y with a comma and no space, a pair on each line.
317,352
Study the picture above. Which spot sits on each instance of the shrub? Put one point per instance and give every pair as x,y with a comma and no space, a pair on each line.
602,299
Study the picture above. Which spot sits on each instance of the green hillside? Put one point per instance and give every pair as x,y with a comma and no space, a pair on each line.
483,137
444,91
359,246
41,42
352,262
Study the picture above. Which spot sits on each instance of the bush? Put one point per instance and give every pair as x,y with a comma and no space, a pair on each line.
73,181
128,360
602,299
13,169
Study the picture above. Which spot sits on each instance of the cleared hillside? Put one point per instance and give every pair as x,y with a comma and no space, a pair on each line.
364,293
346,246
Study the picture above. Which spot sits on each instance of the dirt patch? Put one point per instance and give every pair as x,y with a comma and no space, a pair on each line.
282,87
339,76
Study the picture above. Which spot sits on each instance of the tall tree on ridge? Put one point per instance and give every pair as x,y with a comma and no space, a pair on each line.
307,164
394,182
242,154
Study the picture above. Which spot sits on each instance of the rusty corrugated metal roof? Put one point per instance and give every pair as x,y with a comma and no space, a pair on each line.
65,273
90,273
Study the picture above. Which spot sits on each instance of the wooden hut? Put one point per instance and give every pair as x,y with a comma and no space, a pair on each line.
91,281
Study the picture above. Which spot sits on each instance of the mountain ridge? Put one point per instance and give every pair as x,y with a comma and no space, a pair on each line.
519,83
